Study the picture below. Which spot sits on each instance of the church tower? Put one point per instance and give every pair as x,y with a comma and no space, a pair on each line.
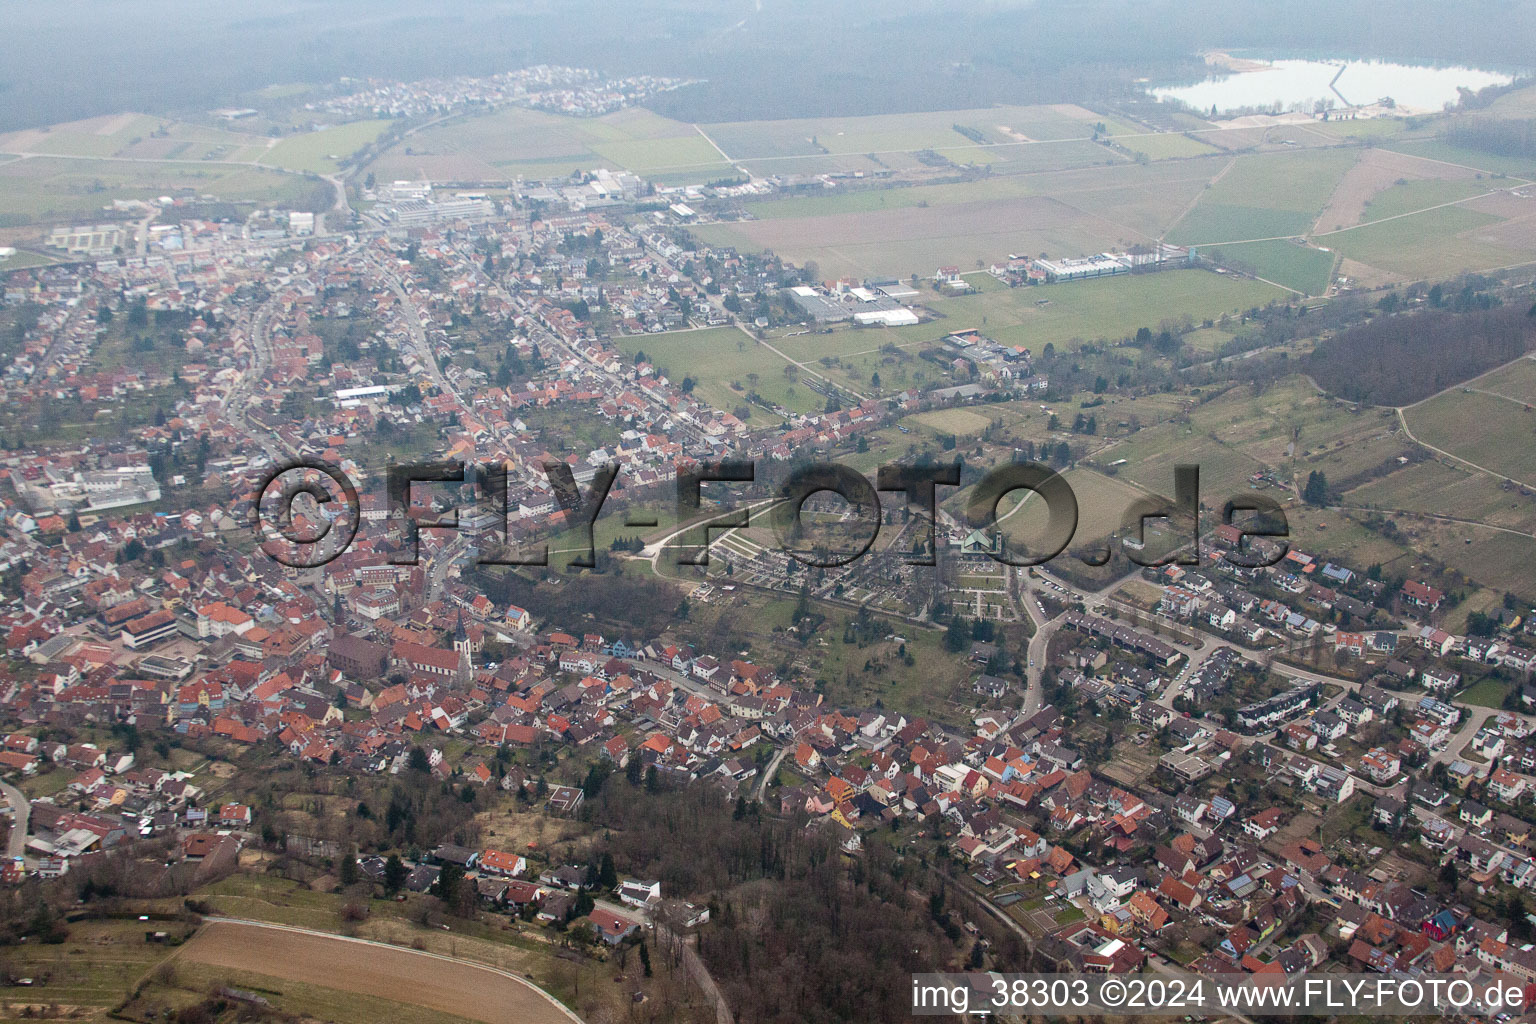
462,645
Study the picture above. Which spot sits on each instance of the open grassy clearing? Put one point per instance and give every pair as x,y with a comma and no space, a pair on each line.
1490,557
881,133
139,136
1480,428
1102,505
324,152
1138,198
718,357
1517,381
1229,438
1438,488
95,967
1299,267
1489,163
1166,145
916,240
960,422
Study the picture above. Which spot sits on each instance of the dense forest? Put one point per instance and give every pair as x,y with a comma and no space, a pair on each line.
67,59
1398,360
1502,136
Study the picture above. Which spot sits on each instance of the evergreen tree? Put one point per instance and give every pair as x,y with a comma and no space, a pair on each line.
1316,490
348,870
394,874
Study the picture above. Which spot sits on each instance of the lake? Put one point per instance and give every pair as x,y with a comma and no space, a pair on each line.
1300,84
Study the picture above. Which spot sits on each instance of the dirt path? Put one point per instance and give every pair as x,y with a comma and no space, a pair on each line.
457,987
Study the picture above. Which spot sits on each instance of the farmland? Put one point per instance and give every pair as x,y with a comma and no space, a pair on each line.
1437,242
1111,308
374,971
911,240
135,137
1484,429
326,151
515,143
1299,267
1264,196
41,189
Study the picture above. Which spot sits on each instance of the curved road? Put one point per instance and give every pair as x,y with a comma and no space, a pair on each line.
17,846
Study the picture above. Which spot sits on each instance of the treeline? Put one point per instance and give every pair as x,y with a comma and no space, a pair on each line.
799,931
1501,136
1398,360
642,607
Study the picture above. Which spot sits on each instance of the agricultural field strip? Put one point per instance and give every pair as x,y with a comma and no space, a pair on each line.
1416,514
1521,183
951,148
554,1005
153,160
1408,431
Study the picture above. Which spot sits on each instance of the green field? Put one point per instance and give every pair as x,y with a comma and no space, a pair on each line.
514,142
716,358
43,189
1480,428
917,240
1167,145
1491,163
1441,489
1435,243
1412,196
1265,195
1102,505
324,152
1110,307
1488,693
1007,128
131,136
1300,267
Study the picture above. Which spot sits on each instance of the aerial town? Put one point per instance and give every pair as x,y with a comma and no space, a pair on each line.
1259,752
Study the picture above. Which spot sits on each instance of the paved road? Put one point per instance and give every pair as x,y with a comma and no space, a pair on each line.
678,941
23,814
769,772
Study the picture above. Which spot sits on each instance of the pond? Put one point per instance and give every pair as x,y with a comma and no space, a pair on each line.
1284,85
